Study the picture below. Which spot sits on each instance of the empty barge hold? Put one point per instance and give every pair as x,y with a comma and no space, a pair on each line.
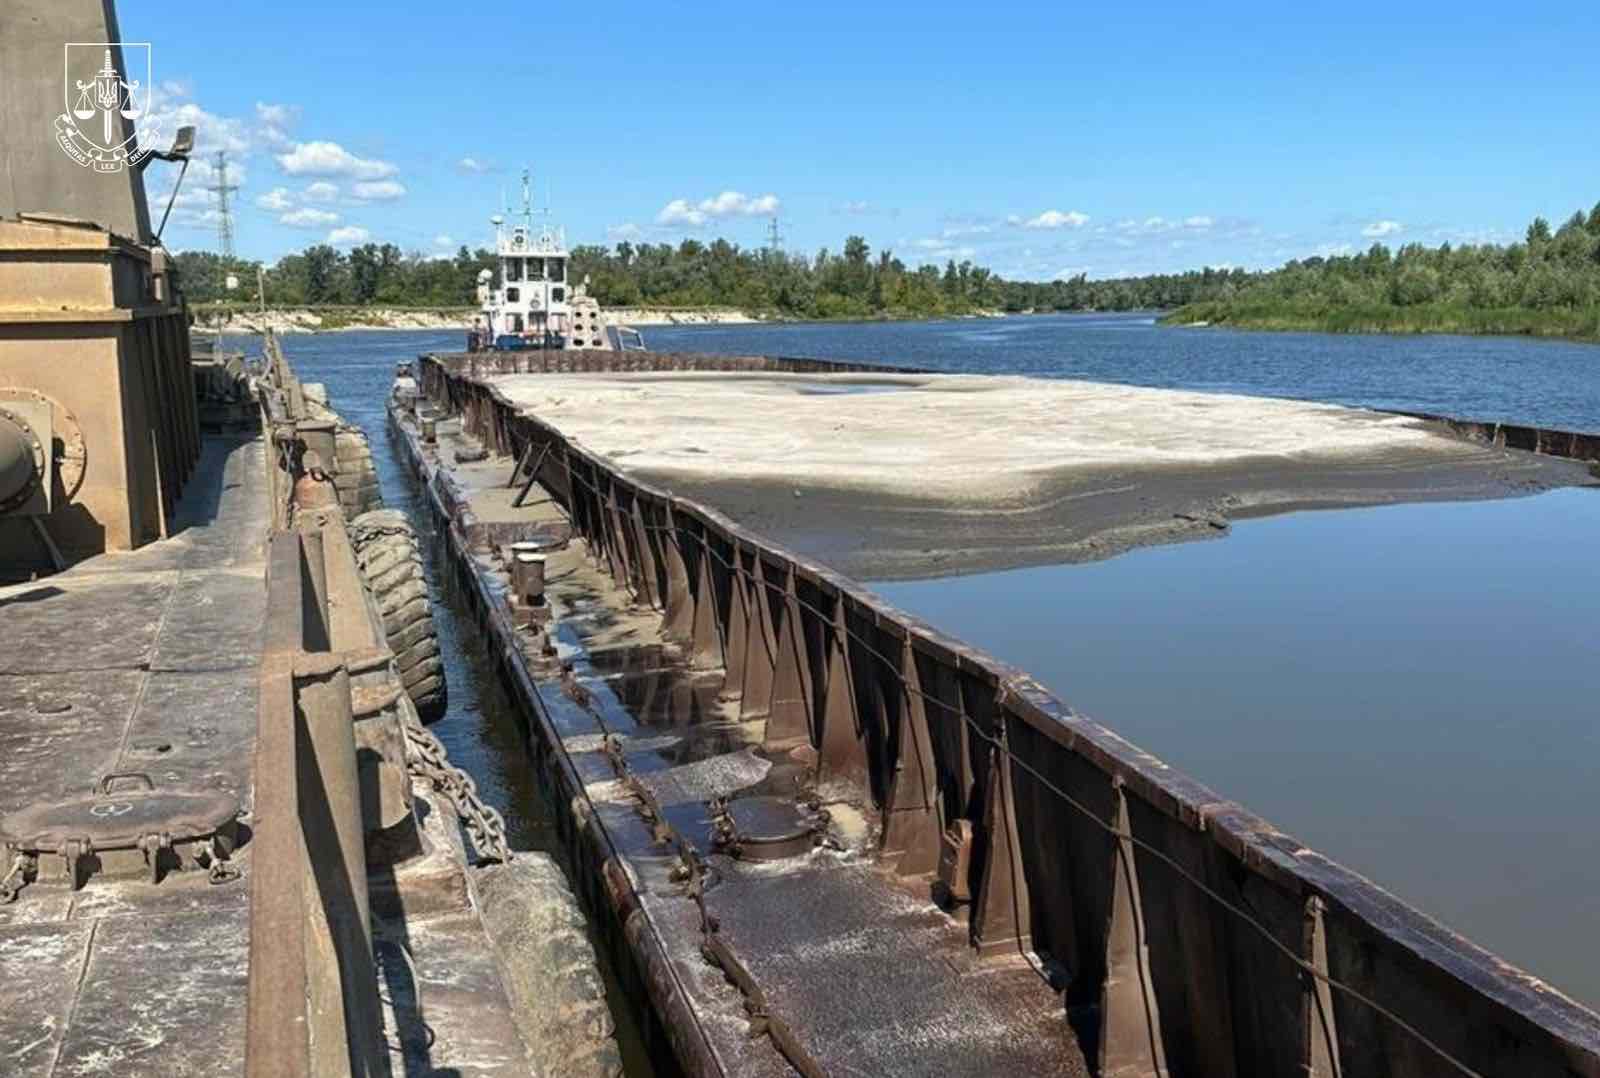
809,817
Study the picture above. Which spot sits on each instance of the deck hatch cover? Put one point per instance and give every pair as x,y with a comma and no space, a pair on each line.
765,828
125,825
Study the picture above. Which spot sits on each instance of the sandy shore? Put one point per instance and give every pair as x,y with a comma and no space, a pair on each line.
660,316
309,320
914,475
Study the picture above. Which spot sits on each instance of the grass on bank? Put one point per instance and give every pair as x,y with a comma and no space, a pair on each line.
1581,323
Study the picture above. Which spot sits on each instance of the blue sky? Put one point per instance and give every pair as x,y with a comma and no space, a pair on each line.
1040,139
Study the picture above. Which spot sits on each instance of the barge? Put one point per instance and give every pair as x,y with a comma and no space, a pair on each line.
830,839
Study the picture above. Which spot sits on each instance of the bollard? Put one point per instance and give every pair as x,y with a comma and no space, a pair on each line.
527,577
430,431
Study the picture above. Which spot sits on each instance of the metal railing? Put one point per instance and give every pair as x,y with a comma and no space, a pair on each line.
1208,941
313,1003
313,1006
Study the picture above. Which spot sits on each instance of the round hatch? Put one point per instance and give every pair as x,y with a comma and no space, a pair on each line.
765,828
164,828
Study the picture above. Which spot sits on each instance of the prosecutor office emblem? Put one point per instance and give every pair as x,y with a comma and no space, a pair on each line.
96,129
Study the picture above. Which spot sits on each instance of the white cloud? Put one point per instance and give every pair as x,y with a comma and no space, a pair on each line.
307,217
274,121
966,230
276,200
332,159
379,191
629,231
1069,272
1383,228
349,235
728,204
441,240
1158,225
170,111
321,191
735,203
679,212
1054,219
277,115
1335,250
472,165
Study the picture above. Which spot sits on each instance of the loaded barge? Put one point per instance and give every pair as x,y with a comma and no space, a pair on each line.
829,839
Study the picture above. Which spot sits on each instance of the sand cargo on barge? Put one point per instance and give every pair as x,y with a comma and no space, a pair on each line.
809,817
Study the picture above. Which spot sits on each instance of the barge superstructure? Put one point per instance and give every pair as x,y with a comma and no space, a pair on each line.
230,847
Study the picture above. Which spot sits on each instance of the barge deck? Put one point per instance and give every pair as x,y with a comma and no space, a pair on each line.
850,969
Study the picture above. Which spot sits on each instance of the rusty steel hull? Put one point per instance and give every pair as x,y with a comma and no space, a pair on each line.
1202,939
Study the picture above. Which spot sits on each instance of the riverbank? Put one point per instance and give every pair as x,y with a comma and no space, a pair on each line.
331,319
283,320
1575,324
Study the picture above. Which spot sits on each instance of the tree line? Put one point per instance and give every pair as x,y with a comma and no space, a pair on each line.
1547,284
853,283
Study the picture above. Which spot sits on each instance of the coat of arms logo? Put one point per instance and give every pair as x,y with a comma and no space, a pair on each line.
99,99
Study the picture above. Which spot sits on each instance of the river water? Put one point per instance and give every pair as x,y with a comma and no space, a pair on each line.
1410,689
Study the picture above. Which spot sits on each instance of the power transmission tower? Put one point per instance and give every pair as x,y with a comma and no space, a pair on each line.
223,189
774,237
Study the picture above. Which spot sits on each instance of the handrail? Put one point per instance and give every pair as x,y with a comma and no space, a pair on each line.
276,1019
312,1007
1211,941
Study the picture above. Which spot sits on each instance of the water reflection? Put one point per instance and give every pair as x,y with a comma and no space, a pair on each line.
1410,690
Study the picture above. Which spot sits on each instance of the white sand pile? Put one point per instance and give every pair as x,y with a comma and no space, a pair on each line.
957,436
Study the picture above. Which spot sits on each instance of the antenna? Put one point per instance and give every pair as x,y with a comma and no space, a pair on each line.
223,189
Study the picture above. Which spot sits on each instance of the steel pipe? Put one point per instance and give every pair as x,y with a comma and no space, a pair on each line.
18,471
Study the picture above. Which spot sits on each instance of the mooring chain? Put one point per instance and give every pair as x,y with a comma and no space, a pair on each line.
363,533
485,826
22,867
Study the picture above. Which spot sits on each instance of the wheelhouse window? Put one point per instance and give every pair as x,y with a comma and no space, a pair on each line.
513,269
535,269
558,269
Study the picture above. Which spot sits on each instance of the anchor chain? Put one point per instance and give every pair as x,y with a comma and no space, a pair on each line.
485,826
